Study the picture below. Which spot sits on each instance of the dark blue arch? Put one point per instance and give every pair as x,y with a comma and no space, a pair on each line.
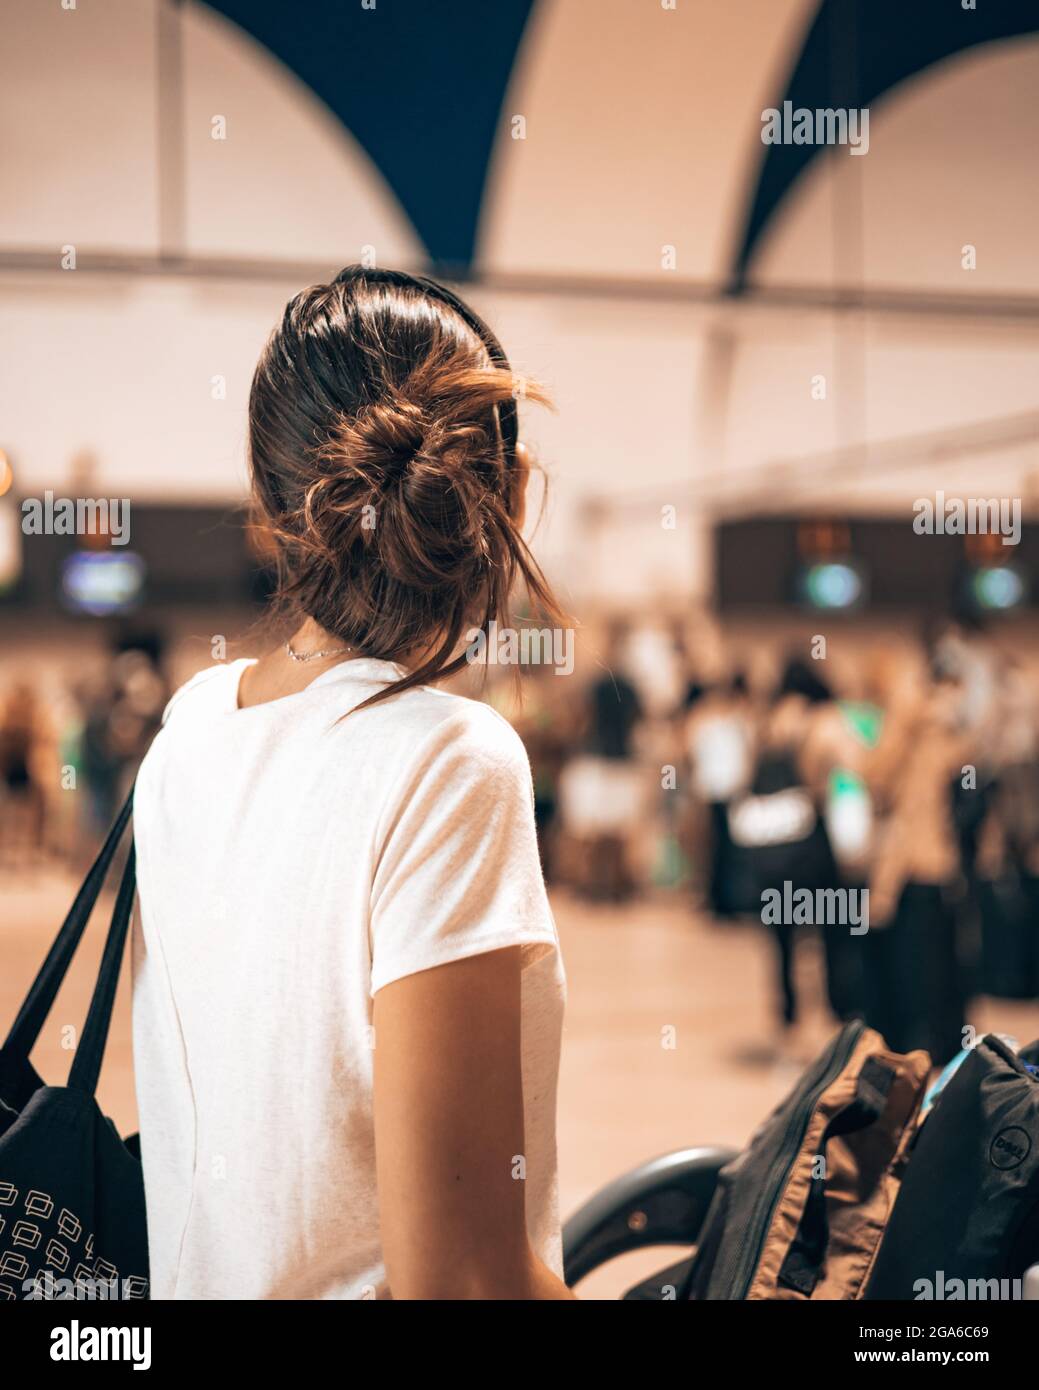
854,52
418,83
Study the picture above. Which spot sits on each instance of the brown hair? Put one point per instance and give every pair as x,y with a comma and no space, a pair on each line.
382,430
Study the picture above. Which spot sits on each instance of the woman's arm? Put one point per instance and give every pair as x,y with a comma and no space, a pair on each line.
449,1134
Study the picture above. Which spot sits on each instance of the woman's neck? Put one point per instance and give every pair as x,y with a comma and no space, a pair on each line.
291,666
314,645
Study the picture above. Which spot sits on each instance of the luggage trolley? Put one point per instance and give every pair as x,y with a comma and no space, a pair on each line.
662,1202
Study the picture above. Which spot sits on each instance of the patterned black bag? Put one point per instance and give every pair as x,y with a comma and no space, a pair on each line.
72,1216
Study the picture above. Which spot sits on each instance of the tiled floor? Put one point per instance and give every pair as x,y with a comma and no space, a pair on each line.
666,1041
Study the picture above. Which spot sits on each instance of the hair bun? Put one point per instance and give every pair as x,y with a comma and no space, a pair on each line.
381,434
431,459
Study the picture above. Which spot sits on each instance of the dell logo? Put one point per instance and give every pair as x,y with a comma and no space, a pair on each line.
1010,1147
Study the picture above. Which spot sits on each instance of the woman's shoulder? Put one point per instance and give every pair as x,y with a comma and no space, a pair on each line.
210,679
450,751
447,720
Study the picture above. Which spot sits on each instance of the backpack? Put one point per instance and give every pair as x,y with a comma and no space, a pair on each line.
777,831
968,1209
778,809
801,1212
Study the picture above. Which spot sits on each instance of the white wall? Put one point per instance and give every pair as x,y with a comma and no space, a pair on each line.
634,129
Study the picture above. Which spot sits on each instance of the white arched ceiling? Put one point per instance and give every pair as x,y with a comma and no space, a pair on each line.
638,135
953,159
77,111
288,182
147,373
79,107
640,131
643,128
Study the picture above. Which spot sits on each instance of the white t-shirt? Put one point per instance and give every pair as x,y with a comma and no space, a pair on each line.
290,866
721,750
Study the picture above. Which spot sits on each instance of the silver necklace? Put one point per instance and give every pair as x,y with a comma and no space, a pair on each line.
315,656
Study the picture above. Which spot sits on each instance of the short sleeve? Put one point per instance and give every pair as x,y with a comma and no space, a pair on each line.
458,872
203,677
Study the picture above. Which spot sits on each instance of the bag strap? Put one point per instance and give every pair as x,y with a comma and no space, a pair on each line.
86,1064
805,1260
44,989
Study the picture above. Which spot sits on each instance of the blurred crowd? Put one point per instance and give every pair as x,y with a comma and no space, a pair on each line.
68,756
905,768
905,772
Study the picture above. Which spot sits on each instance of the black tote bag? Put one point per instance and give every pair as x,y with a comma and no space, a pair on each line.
72,1216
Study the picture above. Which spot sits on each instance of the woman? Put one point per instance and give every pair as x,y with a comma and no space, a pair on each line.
719,734
916,987
26,749
348,992
779,829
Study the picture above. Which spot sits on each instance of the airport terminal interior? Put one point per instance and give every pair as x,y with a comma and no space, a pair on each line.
786,488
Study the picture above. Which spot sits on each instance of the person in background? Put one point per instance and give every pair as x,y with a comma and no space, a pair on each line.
1015,750
839,760
916,993
543,719
720,739
24,737
614,713
1003,871
656,658
69,829
779,825
653,658
614,705
123,710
